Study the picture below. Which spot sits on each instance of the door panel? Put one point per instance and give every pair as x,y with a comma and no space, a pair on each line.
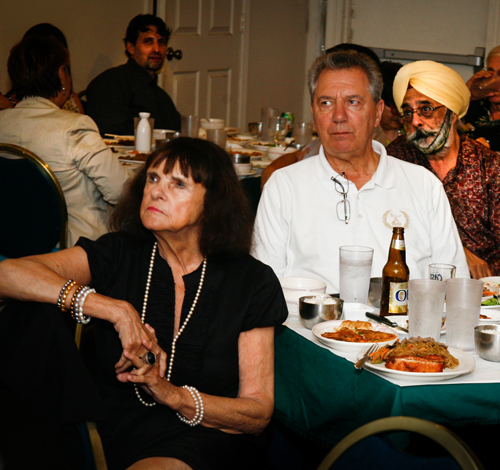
186,91
205,82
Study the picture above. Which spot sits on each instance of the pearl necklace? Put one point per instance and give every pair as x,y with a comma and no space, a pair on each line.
182,328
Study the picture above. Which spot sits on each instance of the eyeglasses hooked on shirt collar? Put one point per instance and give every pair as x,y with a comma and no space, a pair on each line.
344,202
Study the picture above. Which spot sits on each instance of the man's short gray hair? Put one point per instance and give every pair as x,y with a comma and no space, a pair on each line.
341,60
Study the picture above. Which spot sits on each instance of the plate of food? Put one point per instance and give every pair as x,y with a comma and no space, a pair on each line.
490,292
134,157
248,173
240,138
261,163
231,130
493,283
253,153
262,145
489,316
353,336
420,360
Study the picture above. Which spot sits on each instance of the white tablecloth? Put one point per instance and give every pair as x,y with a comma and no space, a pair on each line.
484,372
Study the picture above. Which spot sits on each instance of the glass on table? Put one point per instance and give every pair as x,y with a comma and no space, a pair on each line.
277,128
463,305
441,271
425,307
190,126
302,132
354,273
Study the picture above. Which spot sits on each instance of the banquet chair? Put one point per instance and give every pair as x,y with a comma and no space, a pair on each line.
365,449
33,212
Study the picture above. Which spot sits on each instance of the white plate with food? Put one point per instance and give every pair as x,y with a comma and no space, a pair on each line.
466,365
249,173
490,299
358,339
489,316
253,153
240,138
261,163
493,281
134,157
231,130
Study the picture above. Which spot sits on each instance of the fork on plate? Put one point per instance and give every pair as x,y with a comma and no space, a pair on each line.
366,356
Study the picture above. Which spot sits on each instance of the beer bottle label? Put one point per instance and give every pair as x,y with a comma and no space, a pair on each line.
398,244
398,297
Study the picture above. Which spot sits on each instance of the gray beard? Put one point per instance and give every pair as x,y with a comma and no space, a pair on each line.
419,137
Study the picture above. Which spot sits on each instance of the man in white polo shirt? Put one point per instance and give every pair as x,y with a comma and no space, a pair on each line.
352,193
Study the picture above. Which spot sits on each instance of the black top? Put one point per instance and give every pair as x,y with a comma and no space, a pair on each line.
238,295
118,95
479,116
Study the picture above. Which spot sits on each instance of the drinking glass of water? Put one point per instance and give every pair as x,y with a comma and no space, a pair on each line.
355,272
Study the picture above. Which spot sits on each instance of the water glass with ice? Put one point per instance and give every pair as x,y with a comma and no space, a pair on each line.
463,305
355,272
425,307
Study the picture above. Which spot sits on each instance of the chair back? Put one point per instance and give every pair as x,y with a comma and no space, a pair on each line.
380,454
33,213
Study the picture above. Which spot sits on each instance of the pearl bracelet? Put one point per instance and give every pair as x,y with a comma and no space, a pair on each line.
200,411
61,301
77,305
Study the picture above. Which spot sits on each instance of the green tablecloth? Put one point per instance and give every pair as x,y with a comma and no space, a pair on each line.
323,397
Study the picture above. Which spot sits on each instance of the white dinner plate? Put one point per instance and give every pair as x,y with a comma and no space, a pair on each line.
490,306
466,365
250,173
131,161
493,314
345,346
240,138
231,130
252,152
261,163
493,281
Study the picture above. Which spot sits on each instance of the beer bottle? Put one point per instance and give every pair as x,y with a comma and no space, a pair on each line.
395,276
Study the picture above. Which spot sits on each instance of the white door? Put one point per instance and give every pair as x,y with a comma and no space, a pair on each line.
208,80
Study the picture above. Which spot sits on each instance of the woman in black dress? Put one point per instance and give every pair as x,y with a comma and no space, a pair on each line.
196,388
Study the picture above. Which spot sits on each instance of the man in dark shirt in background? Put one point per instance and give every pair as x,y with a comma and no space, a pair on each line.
118,95
432,98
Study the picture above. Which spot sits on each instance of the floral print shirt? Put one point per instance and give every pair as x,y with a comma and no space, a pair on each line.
473,189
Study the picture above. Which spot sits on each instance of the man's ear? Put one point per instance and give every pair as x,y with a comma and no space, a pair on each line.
380,109
130,48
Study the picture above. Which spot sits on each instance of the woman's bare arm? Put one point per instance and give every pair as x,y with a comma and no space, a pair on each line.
40,279
250,412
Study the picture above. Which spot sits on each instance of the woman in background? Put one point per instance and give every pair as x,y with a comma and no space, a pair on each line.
47,30
91,177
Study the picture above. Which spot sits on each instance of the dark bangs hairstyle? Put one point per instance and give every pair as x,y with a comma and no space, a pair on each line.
33,67
143,23
226,224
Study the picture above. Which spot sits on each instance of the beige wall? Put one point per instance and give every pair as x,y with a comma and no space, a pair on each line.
94,30
278,36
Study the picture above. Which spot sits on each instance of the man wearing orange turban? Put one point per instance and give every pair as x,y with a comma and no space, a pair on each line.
432,99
